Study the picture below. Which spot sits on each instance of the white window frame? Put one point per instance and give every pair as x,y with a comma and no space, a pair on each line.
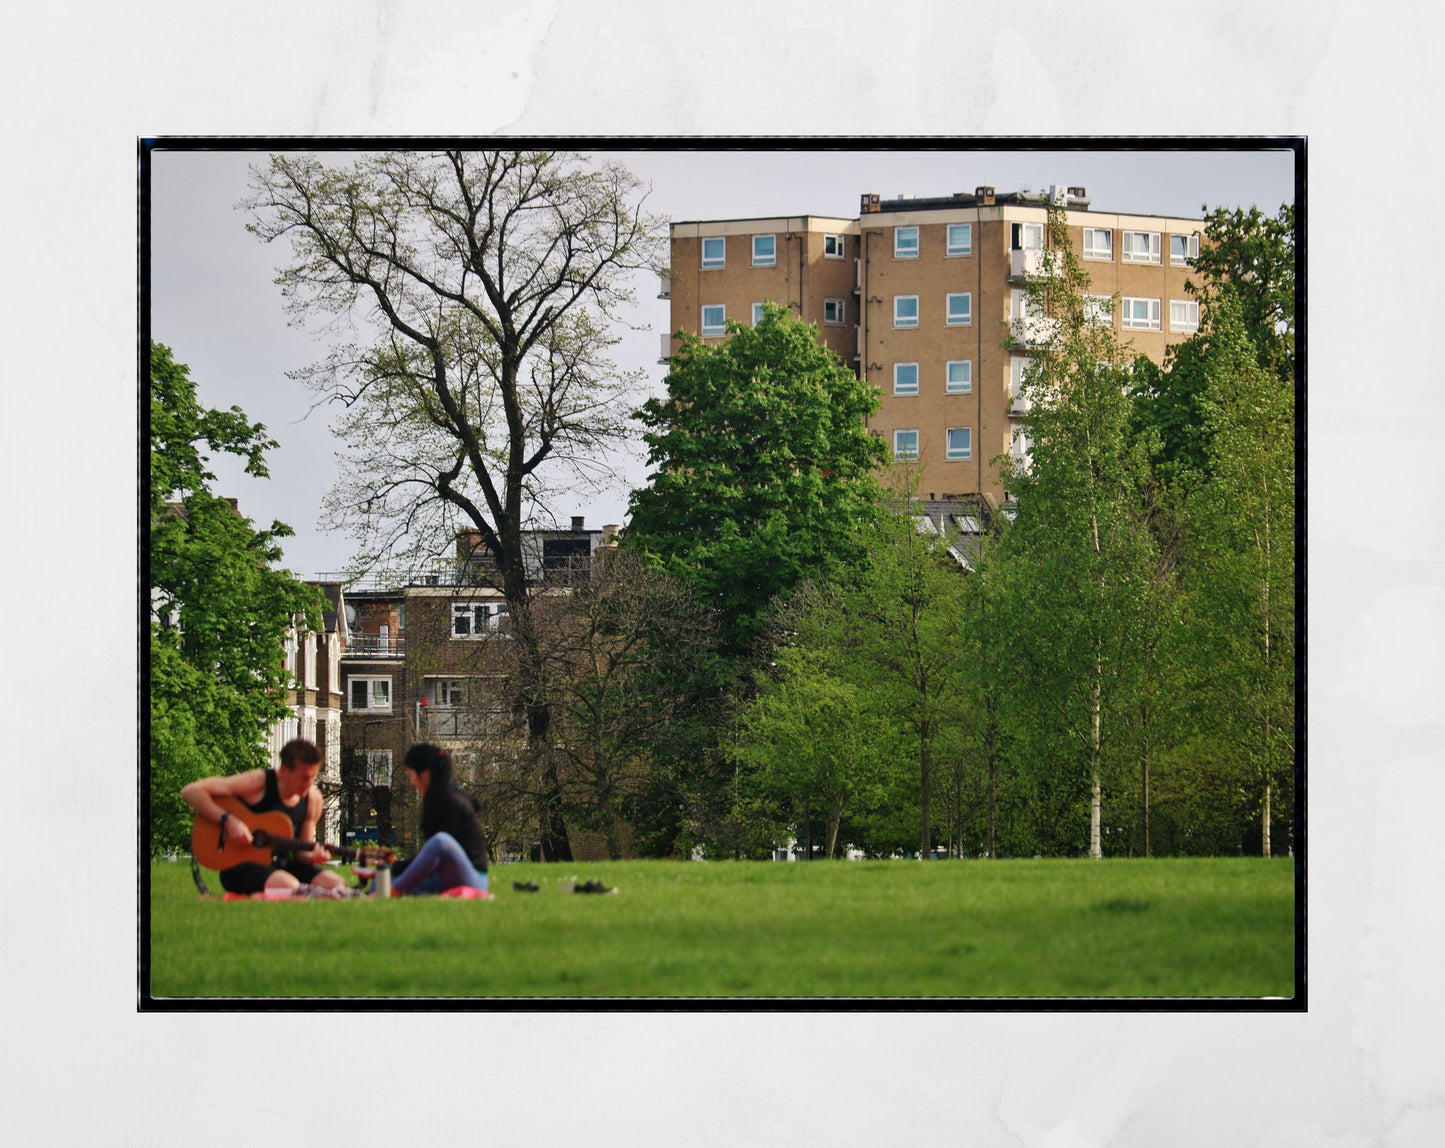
841,307
310,652
1130,246
839,244
1093,250
715,330
483,618
1026,232
1018,369
905,322
901,388
952,320
445,693
1099,310
716,261
898,452
902,250
962,386
964,247
765,260
371,681
1129,322
378,766
952,454
757,313
1191,250
1184,315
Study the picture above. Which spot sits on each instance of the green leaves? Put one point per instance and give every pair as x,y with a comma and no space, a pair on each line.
219,613
763,463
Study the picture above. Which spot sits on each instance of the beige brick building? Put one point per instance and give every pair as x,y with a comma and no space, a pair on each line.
918,295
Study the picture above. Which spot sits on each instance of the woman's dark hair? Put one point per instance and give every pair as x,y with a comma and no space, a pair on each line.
432,759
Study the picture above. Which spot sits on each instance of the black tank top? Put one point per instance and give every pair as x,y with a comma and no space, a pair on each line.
271,800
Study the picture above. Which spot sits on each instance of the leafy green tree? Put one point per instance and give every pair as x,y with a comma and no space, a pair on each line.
487,282
1241,564
808,733
763,467
1251,256
1080,559
219,612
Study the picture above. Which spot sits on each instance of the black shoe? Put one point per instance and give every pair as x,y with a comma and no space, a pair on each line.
593,887
525,886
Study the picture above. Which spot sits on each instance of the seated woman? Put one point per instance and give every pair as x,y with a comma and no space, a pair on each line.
456,849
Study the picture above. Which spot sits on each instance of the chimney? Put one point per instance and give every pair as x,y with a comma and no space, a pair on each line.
579,522
609,534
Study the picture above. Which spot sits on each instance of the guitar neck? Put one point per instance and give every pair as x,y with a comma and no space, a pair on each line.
296,845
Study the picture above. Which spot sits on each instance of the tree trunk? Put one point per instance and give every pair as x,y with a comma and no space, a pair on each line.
925,766
1146,804
1096,802
1265,826
833,819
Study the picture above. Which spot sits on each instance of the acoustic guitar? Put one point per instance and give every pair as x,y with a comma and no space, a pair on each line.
270,834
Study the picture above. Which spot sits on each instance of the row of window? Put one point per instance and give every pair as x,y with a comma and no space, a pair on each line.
373,694
764,250
1142,314
714,316
1134,246
957,444
957,377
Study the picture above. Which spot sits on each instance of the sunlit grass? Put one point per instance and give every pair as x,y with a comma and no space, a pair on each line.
1028,928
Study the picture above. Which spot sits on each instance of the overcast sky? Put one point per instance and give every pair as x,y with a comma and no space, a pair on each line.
215,304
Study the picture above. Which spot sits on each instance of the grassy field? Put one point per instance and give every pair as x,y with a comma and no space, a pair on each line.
1028,928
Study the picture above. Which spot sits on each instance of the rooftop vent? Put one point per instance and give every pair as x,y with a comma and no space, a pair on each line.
579,522
870,203
984,196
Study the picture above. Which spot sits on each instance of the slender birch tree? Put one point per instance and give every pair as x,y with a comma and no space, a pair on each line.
1079,555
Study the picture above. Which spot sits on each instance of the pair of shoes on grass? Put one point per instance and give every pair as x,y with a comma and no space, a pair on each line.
592,887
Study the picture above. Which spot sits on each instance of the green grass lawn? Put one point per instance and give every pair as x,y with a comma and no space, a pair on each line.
1030,928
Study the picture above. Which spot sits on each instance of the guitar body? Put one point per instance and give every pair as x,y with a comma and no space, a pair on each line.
206,845
272,832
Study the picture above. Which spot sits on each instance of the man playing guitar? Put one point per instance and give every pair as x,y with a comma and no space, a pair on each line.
291,790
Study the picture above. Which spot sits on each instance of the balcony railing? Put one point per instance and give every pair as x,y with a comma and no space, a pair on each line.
1032,261
665,352
665,286
375,646
459,724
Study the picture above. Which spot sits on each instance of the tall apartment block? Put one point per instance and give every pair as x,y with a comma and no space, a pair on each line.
917,295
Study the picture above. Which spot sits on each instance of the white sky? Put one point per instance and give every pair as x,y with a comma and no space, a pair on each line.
214,303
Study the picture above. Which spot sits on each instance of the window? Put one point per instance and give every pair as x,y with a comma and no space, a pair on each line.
757,313
960,309
714,319
765,250
1183,315
1098,243
1141,247
477,619
714,251
833,247
905,243
959,443
958,374
1099,310
905,444
1140,314
960,239
378,767
833,311
905,378
1183,249
445,693
905,310
371,694
1028,236
1018,367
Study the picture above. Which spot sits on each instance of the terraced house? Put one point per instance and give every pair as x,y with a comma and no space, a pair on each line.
918,294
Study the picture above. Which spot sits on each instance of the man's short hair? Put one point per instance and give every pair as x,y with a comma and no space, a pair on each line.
298,749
